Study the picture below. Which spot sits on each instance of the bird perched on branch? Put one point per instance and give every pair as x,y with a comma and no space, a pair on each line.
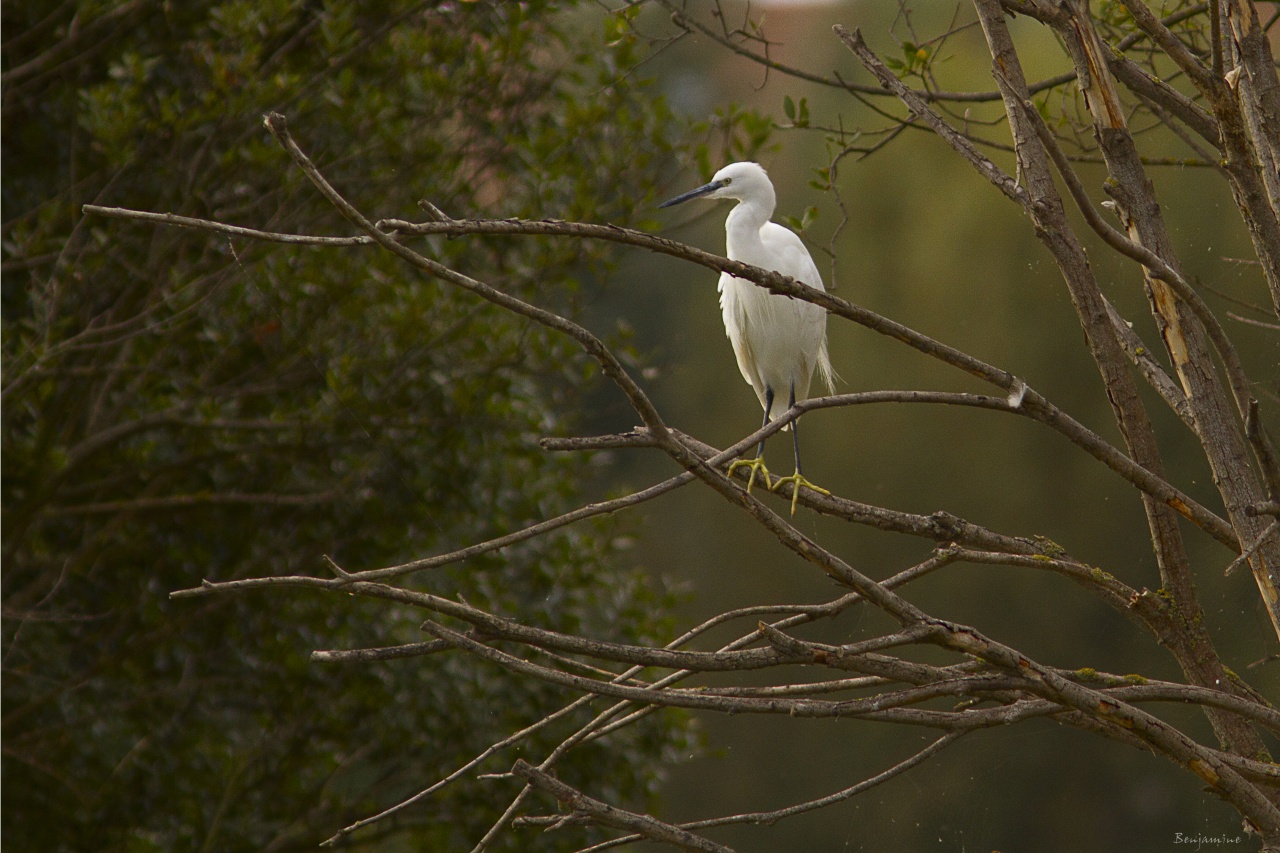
779,341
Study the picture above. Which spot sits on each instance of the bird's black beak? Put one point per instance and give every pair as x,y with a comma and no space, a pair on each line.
700,191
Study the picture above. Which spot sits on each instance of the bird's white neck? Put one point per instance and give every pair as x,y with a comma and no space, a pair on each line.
747,218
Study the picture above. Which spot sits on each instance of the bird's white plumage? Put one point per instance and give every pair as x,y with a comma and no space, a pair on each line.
779,342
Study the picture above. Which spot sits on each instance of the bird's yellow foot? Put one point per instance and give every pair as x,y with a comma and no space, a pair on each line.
797,480
756,465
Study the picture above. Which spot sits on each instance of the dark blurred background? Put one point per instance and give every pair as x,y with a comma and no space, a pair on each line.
402,419
931,244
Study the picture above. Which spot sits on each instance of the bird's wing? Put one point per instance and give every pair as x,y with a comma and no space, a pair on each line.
790,257
736,325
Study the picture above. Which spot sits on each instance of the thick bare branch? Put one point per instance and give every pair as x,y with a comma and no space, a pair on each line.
1239,383
1183,629
1221,435
1173,47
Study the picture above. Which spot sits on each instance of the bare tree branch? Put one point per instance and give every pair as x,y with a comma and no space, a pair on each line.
1034,404
1182,326
585,808
771,817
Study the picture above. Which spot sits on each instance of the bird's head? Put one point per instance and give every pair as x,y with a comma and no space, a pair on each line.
741,181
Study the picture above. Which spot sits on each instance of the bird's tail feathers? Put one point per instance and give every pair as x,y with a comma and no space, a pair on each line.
779,409
826,373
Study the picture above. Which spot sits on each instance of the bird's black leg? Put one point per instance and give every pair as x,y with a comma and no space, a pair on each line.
795,428
768,407
797,479
757,465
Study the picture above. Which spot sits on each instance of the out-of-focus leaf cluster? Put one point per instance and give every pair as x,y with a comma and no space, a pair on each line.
181,406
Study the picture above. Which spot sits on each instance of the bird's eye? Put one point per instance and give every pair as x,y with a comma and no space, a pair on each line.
726,181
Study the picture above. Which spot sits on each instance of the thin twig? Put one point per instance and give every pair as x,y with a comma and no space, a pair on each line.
772,817
580,805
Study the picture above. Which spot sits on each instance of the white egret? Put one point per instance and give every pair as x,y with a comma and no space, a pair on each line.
779,341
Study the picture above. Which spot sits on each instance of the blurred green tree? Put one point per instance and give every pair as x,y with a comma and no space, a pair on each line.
176,409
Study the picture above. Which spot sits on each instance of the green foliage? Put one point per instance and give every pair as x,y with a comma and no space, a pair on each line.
618,27
797,115
801,223
739,133
179,406
823,182
915,60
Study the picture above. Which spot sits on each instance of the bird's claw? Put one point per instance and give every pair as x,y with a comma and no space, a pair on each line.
756,465
797,480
